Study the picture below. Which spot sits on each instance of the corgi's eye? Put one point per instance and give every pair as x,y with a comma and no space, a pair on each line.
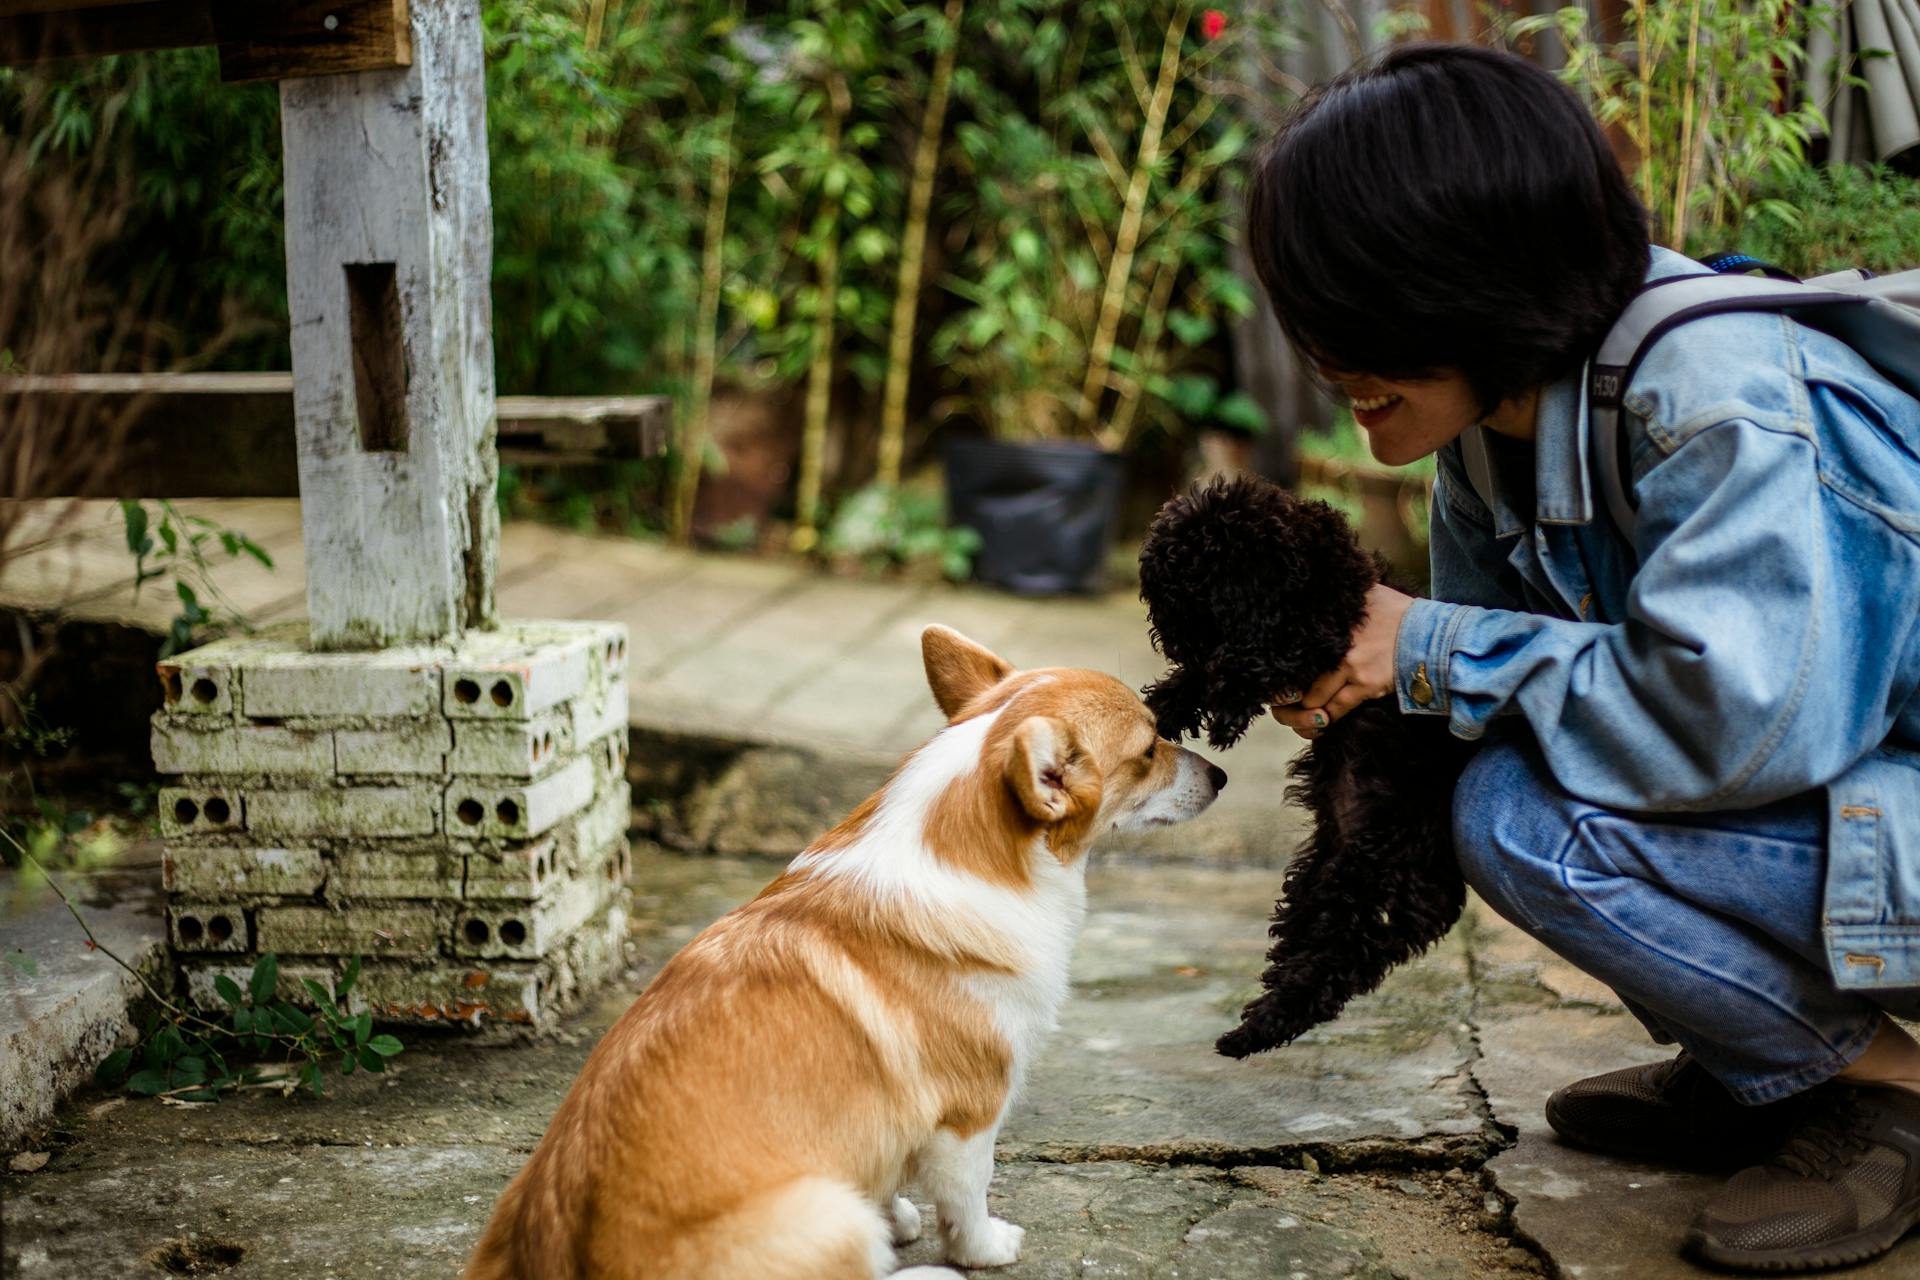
1151,748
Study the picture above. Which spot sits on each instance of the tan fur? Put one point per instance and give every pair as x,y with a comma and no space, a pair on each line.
753,1110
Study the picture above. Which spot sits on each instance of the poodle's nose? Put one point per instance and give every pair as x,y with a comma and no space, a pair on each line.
1217,776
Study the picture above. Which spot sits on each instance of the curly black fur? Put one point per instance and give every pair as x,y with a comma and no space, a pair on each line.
1251,592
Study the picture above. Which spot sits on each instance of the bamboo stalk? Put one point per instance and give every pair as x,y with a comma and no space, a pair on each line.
813,439
1120,269
1644,69
1119,432
1683,178
693,443
906,299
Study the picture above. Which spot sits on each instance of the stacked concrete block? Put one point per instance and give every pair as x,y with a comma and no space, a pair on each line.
454,815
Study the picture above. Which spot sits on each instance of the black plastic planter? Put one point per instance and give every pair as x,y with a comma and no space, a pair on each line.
1046,513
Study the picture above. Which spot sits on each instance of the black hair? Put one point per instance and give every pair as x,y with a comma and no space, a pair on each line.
1447,206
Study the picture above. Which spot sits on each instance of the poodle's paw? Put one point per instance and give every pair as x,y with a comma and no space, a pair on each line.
906,1221
995,1244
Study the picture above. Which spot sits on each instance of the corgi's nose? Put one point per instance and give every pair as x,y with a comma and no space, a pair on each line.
1217,776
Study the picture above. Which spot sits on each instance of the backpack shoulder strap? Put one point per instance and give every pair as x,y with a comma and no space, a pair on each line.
1655,311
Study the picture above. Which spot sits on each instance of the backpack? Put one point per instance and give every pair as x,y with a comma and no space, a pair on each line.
1878,316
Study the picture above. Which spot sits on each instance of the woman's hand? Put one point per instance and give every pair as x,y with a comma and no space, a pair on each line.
1367,671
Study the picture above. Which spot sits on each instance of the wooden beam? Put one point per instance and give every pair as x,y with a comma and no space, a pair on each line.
231,435
310,37
257,40
28,35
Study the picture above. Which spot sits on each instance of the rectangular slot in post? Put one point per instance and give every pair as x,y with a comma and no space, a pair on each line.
379,356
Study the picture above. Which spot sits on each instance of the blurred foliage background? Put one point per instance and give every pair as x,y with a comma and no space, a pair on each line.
831,229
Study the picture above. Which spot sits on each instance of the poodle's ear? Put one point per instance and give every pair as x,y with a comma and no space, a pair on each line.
1177,701
958,670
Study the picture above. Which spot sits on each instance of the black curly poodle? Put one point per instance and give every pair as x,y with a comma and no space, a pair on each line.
1252,593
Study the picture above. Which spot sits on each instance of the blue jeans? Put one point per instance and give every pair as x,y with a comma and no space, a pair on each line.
1707,925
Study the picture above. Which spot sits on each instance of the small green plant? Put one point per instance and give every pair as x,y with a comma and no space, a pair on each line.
181,1055
888,526
1699,90
1841,216
176,546
195,1059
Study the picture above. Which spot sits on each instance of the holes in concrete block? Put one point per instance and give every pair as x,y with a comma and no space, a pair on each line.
477,932
219,928
540,867
470,811
616,656
466,691
378,334
626,862
502,693
612,869
185,811
204,690
170,683
508,811
191,930
218,810
513,933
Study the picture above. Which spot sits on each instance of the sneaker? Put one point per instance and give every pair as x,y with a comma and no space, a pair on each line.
1672,1111
1844,1188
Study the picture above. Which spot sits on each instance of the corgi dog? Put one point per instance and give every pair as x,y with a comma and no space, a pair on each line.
865,1021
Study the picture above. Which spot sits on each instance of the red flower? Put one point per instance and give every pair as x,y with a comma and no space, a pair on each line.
1212,23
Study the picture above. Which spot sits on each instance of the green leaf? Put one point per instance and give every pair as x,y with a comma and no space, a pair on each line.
136,517
266,977
371,1060
228,989
384,1045
113,1068
254,549
362,1027
291,1020
1192,330
1238,409
319,993
310,1077
348,1063
347,979
147,1083
169,539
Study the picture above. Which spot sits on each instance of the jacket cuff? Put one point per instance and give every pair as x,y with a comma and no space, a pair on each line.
1420,655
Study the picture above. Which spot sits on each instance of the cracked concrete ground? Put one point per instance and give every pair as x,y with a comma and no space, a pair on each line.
1376,1147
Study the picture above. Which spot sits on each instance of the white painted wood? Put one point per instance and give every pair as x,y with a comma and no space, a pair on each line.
391,166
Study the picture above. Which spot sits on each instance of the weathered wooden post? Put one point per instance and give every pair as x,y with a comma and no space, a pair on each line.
389,257
402,778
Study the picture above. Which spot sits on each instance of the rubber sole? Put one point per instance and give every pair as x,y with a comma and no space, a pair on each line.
1843,1252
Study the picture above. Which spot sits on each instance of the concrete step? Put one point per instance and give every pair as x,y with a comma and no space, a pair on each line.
59,1021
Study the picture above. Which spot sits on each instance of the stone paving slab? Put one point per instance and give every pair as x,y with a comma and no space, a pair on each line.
423,1151
1543,1024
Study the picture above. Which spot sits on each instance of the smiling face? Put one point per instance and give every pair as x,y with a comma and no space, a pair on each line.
1408,419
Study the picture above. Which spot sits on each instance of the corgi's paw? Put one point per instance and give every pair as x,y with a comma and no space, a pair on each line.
995,1244
906,1221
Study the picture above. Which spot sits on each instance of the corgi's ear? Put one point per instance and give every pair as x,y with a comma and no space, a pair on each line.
1049,771
958,670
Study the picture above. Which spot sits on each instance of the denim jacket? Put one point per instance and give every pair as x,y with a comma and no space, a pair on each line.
1759,637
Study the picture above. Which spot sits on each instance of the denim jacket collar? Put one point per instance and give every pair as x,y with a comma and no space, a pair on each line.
1560,488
